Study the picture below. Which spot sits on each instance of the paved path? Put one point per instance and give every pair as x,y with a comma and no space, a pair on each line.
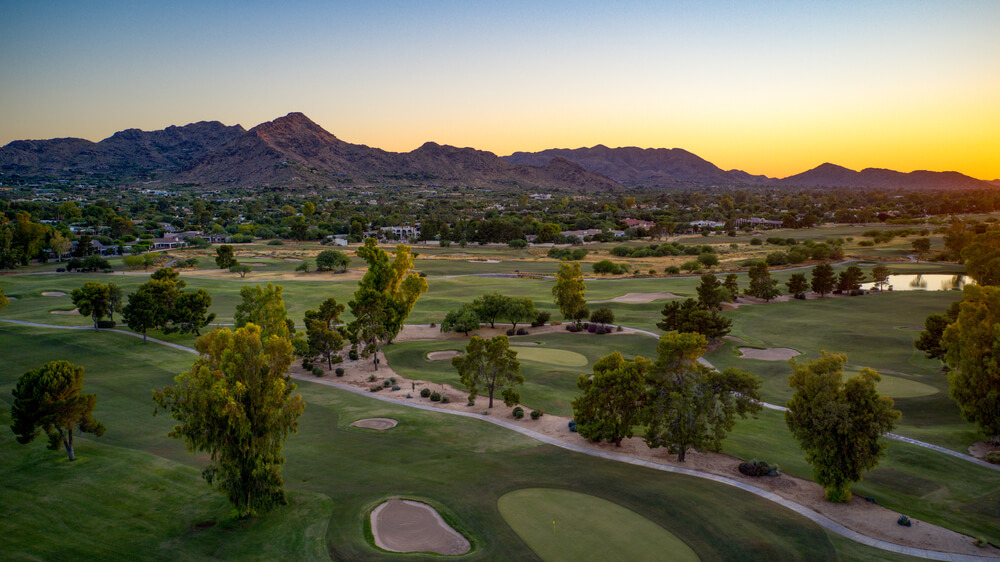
802,510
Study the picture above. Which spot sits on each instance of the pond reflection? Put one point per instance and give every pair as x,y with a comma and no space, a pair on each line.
924,282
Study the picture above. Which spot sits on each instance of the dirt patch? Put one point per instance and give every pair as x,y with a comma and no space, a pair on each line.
380,424
769,354
53,294
409,526
255,264
980,449
442,355
736,339
640,298
74,312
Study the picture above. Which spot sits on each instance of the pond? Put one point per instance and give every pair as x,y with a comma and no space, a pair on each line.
925,282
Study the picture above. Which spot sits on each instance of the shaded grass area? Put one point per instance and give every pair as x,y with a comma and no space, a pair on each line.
584,527
465,465
547,387
913,480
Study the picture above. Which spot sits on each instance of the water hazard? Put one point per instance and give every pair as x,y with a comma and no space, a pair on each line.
924,282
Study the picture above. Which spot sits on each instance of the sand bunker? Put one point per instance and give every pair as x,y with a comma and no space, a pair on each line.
376,423
409,526
769,354
442,355
53,294
74,312
293,259
640,298
484,261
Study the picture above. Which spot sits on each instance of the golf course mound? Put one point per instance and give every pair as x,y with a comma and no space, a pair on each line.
769,354
53,294
640,298
550,356
899,387
409,526
564,525
443,355
380,424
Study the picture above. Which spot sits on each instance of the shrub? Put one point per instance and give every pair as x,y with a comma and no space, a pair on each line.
759,468
572,425
993,457
275,242
339,371
425,392
620,329
522,332
352,355
510,331
517,243
395,387
434,325
105,324
317,371
371,378
541,319
435,397
600,331
535,414
904,521
375,388
981,542
445,399
671,270
386,384
518,412
592,328
392,380
756,242
307,364
572,328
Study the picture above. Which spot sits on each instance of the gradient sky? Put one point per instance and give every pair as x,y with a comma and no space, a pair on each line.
768,87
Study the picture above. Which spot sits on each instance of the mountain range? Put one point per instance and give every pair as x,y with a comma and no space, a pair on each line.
294,151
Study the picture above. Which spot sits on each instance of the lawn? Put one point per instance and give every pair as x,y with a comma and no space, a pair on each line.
136,495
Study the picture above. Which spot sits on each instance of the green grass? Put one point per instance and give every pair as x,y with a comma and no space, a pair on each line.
548,387
563,525
334,474
550,356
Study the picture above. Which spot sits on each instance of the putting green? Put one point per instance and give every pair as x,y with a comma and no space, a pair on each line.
558,357
898,387
586,528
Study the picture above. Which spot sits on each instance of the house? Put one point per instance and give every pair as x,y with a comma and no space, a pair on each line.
636,223
401,232
755,222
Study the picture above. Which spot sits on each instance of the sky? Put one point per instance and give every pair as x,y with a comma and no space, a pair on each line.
769,87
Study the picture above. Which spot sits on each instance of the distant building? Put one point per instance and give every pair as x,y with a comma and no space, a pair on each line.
635,223
401,232
756,222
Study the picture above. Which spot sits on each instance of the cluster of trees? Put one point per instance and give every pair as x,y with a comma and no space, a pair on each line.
490,366
162,303
659,250
490,308
702,315
97,301
681,403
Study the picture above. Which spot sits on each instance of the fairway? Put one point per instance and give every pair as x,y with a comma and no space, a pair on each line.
899,387
564,525
557,357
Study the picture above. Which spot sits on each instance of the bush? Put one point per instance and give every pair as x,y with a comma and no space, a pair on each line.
993,457
517,243
572,425
392,380
307,364
518,412
522,332
541,319
106,324
756,242
535,414
395,387
353,355
339,371
445,399
904,521
620,329
510,332
317,371
758,468
375,388
275,242
371,378
671,270
425,392
386,384
572,328
435,397
592,328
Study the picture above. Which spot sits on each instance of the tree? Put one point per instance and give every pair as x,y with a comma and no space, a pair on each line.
144,311
4,301
490,307
48,399
517,310
492,366
236,404
929,340
96,300
332,260
398,285
225,257
265,308
691,405
880,275
691,316
921,246
822,279
982,258
712,293
371,311
464,320
850,279
732,285
240,268
838,423
708,259
797,285
59,244
957,237
603,315
321,331
612,399
761,284
190,312
972,350
569,291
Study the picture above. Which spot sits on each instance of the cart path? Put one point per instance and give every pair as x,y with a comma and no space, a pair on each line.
818,518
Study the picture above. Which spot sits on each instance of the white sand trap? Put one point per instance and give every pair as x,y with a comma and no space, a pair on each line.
640,298
12,298
293,259
376,423
442,355
484,261
409,526
74,312
53,294
769,354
